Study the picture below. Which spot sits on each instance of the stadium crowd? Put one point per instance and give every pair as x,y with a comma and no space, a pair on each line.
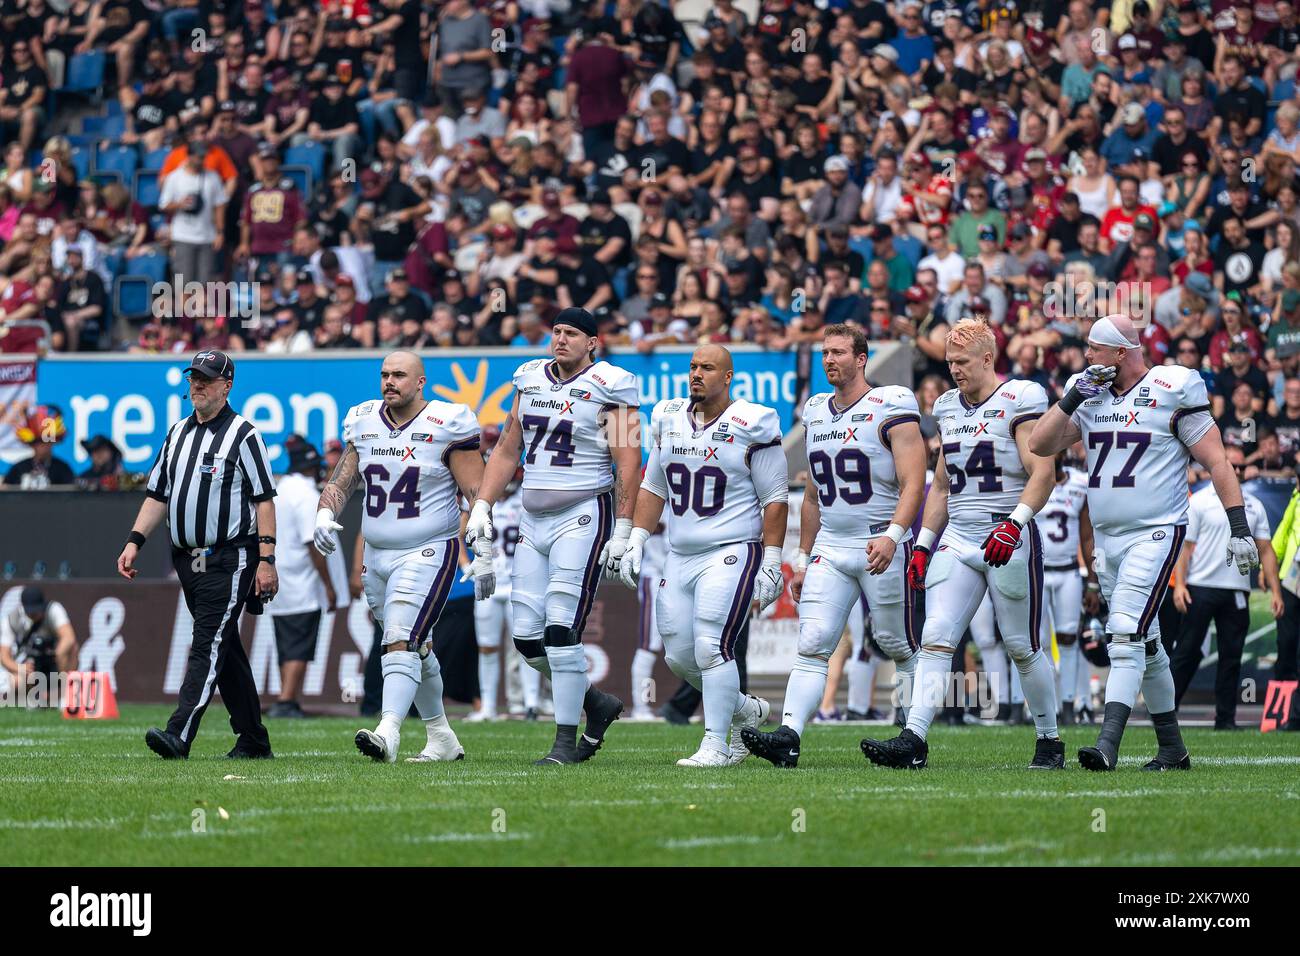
449,174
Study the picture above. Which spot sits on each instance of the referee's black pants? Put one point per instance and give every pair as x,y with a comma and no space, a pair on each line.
1288,638
1231,622
216,587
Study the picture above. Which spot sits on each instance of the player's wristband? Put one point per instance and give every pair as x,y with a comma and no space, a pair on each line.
1093,586
1021,514
137,539
622,528
895,533
799,562
771,556
925,540
1237,523
1071,400
638,536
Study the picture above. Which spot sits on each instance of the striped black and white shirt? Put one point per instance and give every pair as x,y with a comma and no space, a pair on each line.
211,474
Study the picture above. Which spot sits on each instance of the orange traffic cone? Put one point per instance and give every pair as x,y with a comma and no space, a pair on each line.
89,697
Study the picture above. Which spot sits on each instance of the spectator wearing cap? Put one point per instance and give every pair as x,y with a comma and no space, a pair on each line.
272,211
837,202
478,119
333,121
36,637
990,255
287,336
964,233
499,260
470,192
1132,134
464,41
1194,313
105,471
976,287
1120,263
399,300
306,589
947,264
308,304
659,327
195,199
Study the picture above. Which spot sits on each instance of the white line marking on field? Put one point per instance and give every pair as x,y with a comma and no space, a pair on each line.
468,838
693,842
48,824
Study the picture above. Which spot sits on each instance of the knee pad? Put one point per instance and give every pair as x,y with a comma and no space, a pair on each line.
938,635
567,660
559,636
527,616
680,665
1019,647
816,640
893,645
1066,640
563,595
530,648
403,663
1121,622
708,653
397,633
1130,654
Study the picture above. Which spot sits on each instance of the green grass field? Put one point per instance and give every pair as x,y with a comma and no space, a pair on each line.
90,793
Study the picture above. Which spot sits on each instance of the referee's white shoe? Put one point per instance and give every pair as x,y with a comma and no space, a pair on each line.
377,747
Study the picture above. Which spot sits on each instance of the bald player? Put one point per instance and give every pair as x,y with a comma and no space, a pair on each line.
1139,427
717,464
413,455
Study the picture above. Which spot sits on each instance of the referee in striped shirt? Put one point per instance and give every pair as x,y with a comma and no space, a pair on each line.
212,483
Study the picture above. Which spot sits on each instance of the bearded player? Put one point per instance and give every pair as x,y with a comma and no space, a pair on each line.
582,469
412,455
988,485
866,462
1139,427
718,465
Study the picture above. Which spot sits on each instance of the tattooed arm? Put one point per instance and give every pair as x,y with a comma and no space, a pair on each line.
344,481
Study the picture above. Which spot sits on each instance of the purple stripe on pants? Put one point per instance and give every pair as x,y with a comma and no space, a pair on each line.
909,603
646,593
436,599
739,612
1035,586
591,578
1162,582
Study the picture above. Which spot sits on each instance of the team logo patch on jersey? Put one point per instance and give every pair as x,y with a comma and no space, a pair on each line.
739,421
1094,402
878,401
723,436
861,418
710,453
394,433
1144,390
1158,536
723,427
850,435
422,436
207,469
368,436
436,421
996,413
556,388
529,389
662,582
579,393
598,380
730,559
1145,402
584,520
428,552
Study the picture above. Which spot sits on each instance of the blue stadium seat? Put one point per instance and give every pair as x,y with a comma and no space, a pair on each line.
147,188
115,263
366,112
301,177
105,127
151,265
85,73
81,161
154,159
118,159
157,221
81,139
112,108
131,297
103,177
311,155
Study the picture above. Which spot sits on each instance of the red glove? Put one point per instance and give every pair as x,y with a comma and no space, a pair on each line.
1001,543
916,568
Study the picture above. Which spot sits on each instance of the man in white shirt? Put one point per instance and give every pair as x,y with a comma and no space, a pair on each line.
946,262
36,637
288,338
883,191
1216,591
195,198
306,586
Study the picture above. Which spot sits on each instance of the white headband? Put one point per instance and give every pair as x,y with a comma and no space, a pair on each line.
1105,332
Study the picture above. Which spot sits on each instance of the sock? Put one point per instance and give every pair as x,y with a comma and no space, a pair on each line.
721,685
428,697
643,665
1039,682
435,728
489,677
862,682
1083,691
566,736
1112,729
904,675
1069,671
1158,682
995,671
1017,695
1168,736
401,670
568,681
933,668
803,691
531,678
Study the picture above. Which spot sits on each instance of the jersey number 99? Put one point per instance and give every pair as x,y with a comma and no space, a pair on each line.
851,466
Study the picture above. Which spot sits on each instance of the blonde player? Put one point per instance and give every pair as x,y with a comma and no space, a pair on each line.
1139,427
576,423
987,488
866,462
717,464
412,455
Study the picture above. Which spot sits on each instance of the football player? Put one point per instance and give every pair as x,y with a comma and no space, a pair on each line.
1139,426
717,463
988,485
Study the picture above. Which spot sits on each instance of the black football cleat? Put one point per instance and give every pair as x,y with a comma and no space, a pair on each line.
245,753
559,754
1163,763
166,745
1091,758
1049,754
602,710
907,751
779,748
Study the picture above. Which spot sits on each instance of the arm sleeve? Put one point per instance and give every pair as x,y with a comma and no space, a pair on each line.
1192,420
768,470
256,465
156,486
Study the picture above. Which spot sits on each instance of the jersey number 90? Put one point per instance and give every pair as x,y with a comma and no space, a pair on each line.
701,491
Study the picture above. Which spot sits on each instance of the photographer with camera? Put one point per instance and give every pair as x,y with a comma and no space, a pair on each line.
195,198
36,637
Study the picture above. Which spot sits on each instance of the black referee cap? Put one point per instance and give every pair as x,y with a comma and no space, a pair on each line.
213,364
580,319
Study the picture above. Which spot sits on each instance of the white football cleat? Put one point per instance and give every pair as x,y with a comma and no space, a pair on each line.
706,757
441,747
754,716
377,747
479,716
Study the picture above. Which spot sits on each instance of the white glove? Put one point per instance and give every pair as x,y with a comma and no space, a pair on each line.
1095,380
325,536
629,569
479,524
481,572
770,582
612,552
1243,553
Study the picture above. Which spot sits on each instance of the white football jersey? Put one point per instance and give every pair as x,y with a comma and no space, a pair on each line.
985,473
565,448
410,493
851,464
702,471
506,516
1058,522
1137,448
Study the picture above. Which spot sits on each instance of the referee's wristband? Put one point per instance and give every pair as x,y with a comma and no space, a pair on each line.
137,539
266,539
